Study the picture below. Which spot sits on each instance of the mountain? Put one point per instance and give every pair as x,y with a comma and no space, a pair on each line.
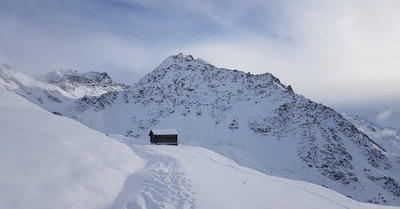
82,84
388,138
55,91
55,162
254,120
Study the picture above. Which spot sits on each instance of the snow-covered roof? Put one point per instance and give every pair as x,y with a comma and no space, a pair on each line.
164,132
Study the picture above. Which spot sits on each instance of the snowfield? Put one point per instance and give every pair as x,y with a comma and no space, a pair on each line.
48,161
255,120
194,177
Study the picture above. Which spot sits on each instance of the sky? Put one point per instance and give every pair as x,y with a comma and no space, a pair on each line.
342,53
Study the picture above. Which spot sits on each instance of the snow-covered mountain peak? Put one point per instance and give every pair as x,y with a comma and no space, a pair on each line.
181,56
81,84
185,83
189,71
182,62
50,161
253,119
57,90
63,77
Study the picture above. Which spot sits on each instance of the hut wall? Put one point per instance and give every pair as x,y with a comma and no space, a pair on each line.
166,139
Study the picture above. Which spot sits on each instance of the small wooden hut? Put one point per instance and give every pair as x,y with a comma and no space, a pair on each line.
164,136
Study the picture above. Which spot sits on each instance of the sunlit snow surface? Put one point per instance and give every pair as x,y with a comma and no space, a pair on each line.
48,161
194,177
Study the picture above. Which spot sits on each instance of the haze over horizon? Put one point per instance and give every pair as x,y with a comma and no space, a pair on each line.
343,54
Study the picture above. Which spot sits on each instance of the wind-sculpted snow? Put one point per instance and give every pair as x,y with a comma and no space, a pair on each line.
49,161
253,119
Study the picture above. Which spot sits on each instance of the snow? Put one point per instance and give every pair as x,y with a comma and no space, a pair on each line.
252,119
164,132
80,84
58,81
49,161
388,138
193,177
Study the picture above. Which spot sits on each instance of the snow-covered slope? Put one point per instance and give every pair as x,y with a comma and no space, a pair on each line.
254,120
194,177
388,138
82,84
49,161
57,90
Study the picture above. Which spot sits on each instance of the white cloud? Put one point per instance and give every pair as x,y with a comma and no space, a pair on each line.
35,52
340,52
335,52
388,132
390,116
384,115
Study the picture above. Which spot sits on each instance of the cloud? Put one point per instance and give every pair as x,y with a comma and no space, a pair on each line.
390,116
384,115
334,52
389,132
340,53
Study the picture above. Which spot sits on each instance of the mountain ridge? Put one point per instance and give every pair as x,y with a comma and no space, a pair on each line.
253,119
73,166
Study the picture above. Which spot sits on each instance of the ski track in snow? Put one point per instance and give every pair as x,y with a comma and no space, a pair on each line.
167,186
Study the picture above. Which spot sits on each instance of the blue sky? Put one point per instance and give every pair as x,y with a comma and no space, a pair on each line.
343,53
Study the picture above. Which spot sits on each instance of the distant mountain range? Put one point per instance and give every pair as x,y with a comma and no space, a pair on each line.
254,120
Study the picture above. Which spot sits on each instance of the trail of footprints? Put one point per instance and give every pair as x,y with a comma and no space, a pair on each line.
167,187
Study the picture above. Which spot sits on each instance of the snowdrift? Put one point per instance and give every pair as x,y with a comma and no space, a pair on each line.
49,161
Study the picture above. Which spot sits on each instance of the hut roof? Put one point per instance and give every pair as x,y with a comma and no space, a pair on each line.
164,131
